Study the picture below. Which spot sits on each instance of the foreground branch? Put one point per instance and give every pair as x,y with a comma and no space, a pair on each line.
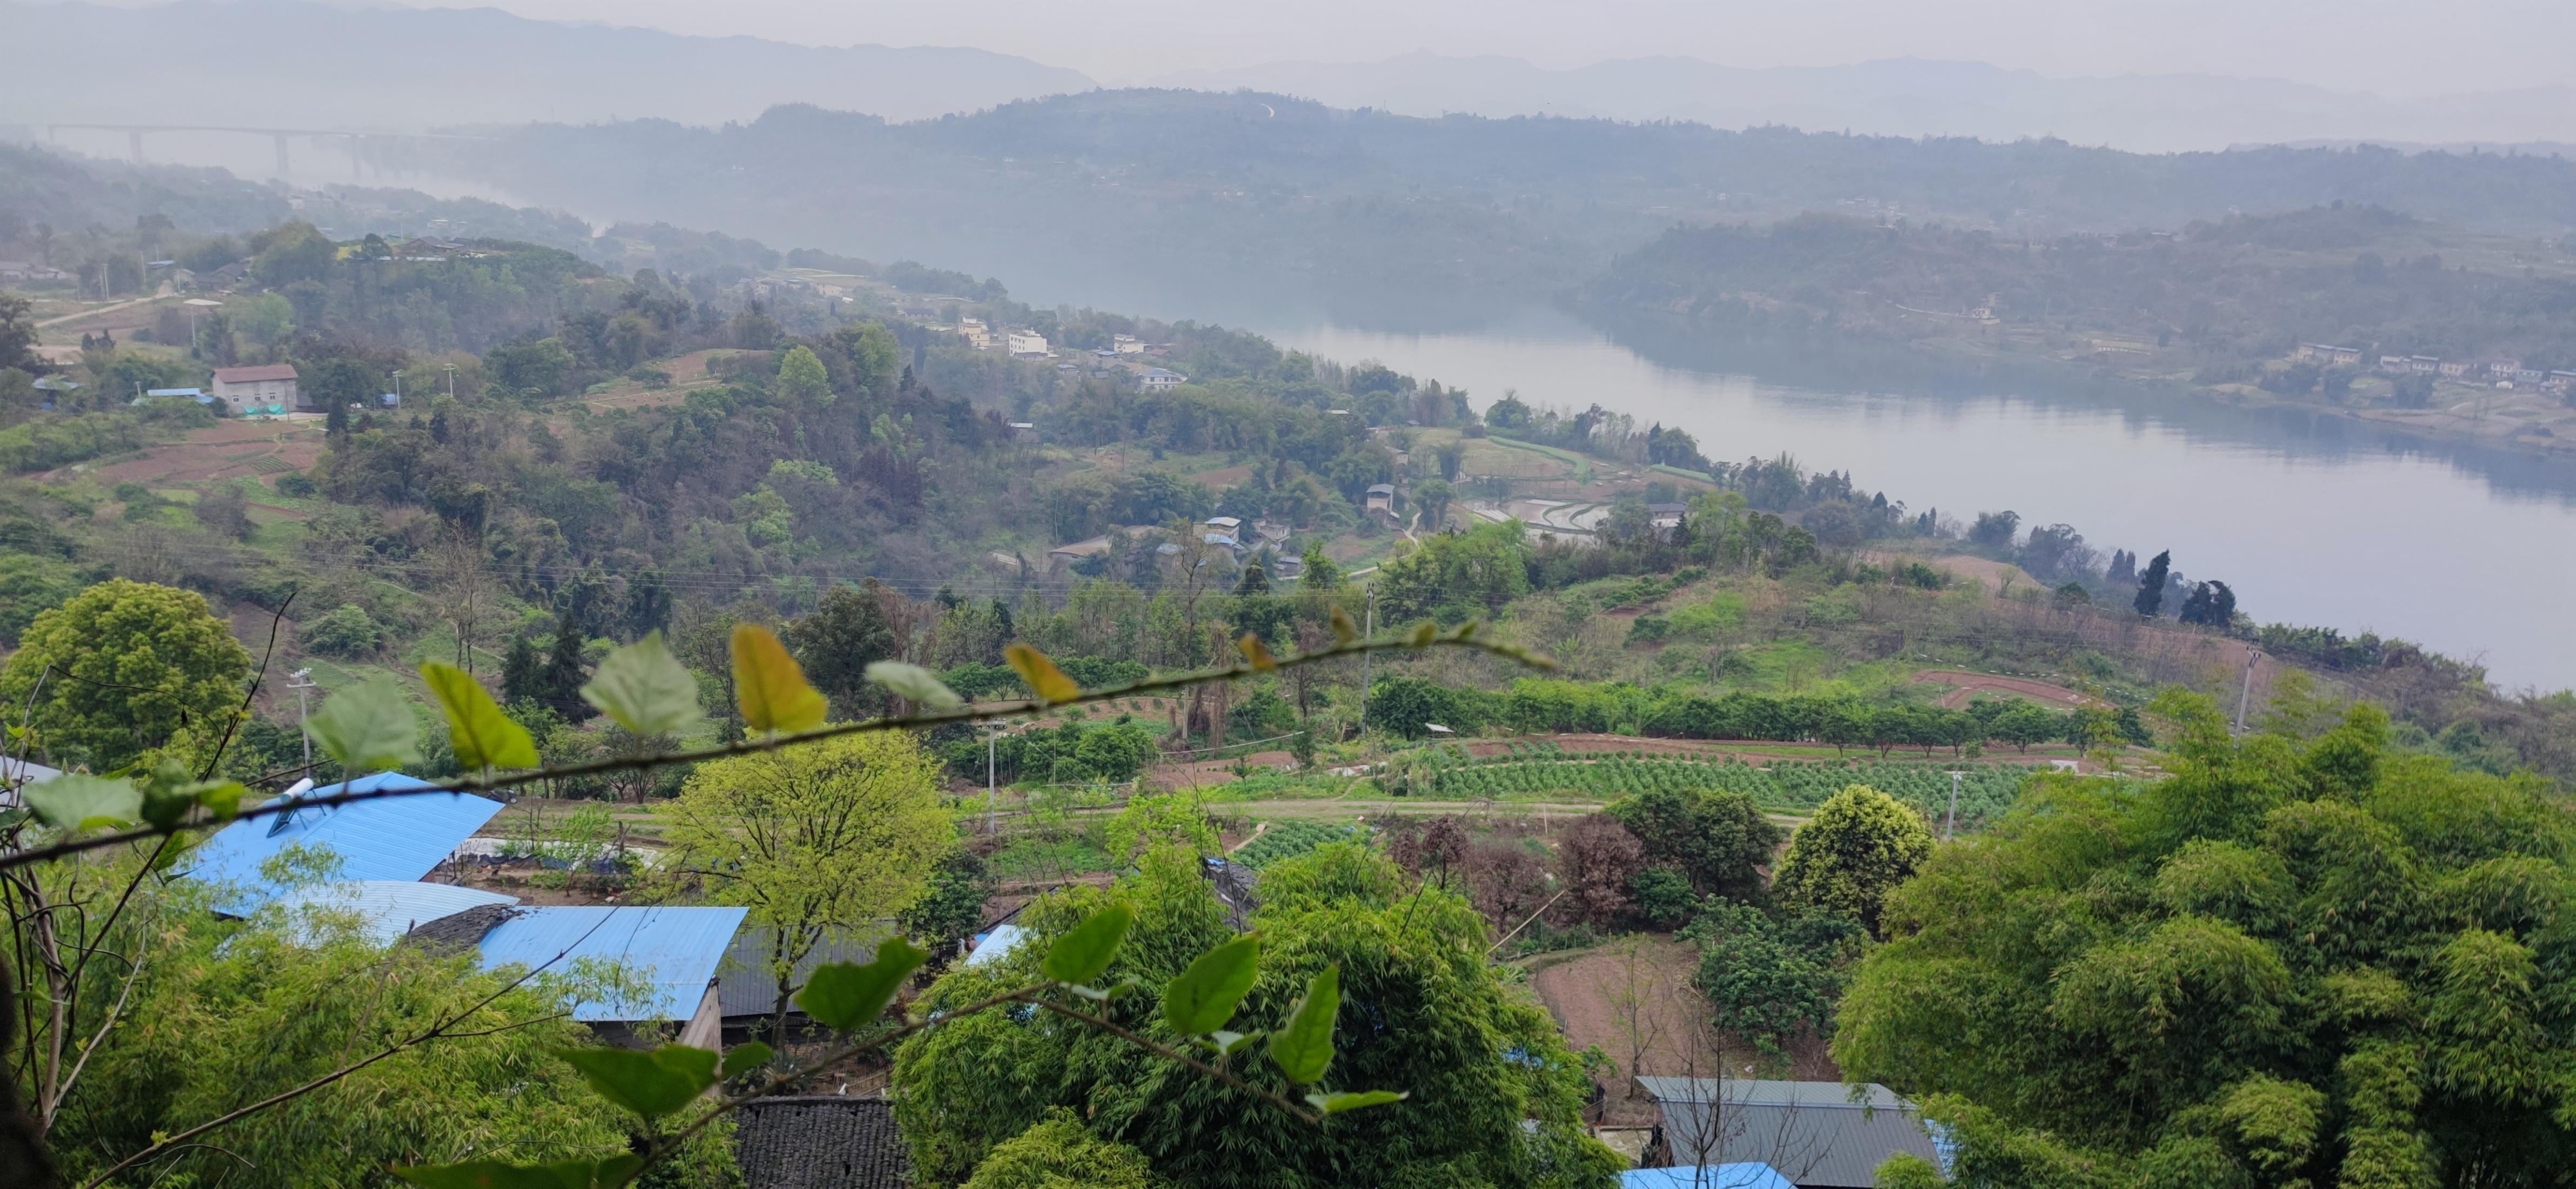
965,714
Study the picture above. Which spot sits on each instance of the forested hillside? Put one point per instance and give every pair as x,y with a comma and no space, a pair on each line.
1296,189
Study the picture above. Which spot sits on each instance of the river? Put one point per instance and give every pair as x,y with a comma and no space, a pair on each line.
2313,520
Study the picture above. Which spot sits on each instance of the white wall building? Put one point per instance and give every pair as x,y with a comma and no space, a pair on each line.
1028,342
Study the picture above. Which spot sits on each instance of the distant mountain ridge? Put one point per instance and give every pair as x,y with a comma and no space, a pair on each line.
295,63
1914,97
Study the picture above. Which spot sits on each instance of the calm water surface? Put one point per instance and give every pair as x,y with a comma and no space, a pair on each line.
2312,521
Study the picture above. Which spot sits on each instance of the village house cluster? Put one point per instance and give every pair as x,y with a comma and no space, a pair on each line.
2504,373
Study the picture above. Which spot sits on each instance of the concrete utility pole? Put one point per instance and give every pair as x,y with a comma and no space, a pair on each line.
1369,634
2245,693
451,381
992,731
1950,824
300,681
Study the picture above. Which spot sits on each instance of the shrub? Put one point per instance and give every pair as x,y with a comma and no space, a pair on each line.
345,631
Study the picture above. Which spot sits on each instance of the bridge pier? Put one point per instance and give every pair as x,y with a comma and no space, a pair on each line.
134,145
281,155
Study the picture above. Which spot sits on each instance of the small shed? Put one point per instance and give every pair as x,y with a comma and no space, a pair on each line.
1819,1135
820,1141
394,838
1381,498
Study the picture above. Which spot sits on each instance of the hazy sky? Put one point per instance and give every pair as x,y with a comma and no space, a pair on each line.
2394,47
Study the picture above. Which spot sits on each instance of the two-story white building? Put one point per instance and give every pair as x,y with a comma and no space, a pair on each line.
1155,379
1027,342
259,388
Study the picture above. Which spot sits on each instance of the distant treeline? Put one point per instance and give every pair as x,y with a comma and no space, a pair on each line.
2243,288
1408,706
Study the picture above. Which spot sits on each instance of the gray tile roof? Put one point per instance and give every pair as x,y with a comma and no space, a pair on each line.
820,1141
1821,1135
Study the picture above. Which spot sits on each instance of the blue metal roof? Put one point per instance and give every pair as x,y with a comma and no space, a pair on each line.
677,950
391,907
996,945
1748,1175
397,838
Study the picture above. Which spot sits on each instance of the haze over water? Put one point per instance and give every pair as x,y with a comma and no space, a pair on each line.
2312,521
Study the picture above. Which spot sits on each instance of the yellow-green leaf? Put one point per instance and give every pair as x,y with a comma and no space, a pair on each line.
1425,634
771,690
1085,950
1255,652
77,802
846,995
1343,629
367,727
1334,1104
918,685
1204,997
645,689
650,1084
477,731
1304,1049
1040,674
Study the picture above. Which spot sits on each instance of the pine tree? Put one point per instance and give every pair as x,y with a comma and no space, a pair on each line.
522,679
1254,582
2124,568
836,643
2151,585
564,675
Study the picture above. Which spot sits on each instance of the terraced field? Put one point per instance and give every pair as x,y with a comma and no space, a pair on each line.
1543,770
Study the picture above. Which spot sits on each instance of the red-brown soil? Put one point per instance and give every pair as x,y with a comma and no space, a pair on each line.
1969,685
1638,989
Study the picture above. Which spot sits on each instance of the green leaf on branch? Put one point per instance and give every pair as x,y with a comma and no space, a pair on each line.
85,802
770,690
650,1084
1085,950
1344,631
492,1174
1204,997
846,995
1230,1043
482,736
645,689
1334,1104
745,1057
917,685
367,728
1040,674
1304,1049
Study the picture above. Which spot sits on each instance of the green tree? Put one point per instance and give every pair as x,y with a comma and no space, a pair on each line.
565,672
822,840
2151,585
1860,844
522,671
847,632
801,378
1433,496
1715,838
17,334
30,584
1495,1097
346,631
2319,962
1057,1153
1319,572
266,320
124,671
2024,723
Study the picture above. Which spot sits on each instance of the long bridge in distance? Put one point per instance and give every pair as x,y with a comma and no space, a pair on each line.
355,137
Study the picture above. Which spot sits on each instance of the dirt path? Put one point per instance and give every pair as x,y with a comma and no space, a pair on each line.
1633,997
1971,684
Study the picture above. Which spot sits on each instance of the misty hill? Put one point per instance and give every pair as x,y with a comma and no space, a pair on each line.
2225,296
1912,97
1074,192
321,66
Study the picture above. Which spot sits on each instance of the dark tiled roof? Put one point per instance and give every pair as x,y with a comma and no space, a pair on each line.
820,1141
459,930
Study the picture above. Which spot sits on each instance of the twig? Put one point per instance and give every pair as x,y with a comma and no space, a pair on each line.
966,714
1525,922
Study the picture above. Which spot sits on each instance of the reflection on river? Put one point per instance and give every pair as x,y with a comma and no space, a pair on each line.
2312,519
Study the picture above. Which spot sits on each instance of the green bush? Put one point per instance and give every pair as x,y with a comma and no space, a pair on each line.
346,631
